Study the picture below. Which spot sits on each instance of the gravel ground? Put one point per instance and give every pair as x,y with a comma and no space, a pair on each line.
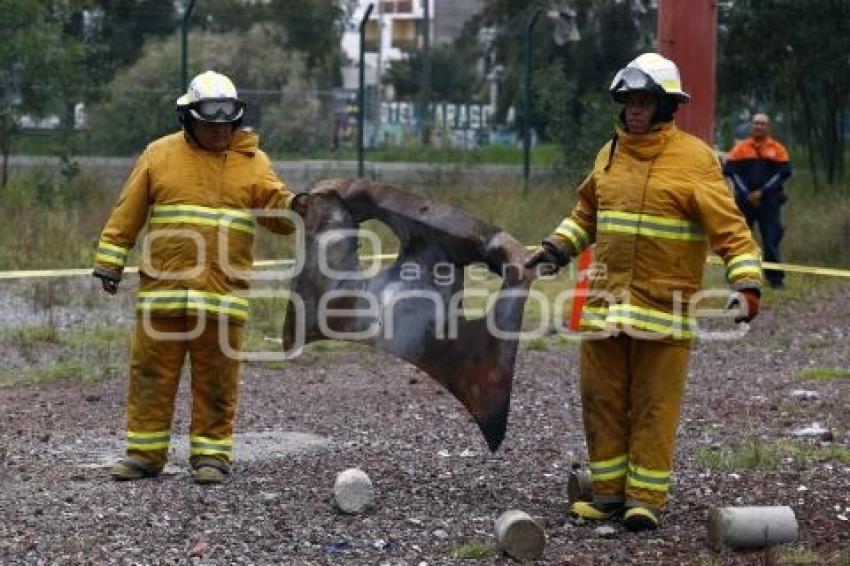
437,486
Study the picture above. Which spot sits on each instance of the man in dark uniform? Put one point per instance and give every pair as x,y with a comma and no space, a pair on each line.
757,167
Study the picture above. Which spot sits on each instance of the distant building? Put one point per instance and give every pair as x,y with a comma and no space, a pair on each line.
395,29
450,17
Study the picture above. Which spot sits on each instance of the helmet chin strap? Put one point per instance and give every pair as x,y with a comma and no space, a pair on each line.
186,120
666,110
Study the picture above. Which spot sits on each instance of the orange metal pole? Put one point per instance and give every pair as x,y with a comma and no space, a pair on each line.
687,34
582,285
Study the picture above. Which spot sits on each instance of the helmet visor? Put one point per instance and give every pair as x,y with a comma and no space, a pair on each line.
630,79
218,109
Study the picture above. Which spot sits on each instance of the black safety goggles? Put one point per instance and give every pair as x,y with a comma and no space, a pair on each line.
218,109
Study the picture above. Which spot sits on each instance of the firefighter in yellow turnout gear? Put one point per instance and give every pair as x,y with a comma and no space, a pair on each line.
654,204
198,190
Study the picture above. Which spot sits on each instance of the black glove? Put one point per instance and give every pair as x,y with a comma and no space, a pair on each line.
300,203
109,284
549,257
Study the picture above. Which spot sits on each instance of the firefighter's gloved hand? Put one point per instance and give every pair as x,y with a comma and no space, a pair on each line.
109,284
548,258
300,203
746,302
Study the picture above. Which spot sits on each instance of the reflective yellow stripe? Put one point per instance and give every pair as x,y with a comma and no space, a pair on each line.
577,235
609,469
648,225
180,293
202,215
158,440
202,209
203,446
110,253
744,264
192,300
656,474
108,259
641,318
207,440
656,480
616,461
158,434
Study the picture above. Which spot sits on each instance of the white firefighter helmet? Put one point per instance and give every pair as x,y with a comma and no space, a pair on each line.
212,97
649,72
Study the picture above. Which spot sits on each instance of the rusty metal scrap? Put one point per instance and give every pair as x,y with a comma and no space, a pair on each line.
412,314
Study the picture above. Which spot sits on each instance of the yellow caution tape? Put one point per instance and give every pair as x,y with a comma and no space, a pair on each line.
714,260
790,267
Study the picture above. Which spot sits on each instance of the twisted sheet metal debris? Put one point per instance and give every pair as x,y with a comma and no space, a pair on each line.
414,296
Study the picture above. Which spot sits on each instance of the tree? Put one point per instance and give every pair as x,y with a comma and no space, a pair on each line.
120,28
36,61
313,27
451,80
570,105
274,80
794,55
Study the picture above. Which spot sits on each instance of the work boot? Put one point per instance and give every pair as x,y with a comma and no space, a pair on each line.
210,471
596,511
128,469
639,519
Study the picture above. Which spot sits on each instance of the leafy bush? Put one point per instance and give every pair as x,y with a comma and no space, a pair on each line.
274,81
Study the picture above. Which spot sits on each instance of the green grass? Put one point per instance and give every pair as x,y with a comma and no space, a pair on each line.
795,555
78,143
759,455
536,344
85,355
475,550
53,221
823,373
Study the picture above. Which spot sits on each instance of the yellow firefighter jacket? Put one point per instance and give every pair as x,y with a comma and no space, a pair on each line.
201,208
654,204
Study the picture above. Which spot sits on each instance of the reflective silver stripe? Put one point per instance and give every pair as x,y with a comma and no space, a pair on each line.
640,318
202,446
771,181
739,183
192,300
648,225
110,253
745,264
190,214
148,441
609,469
577,235
223,448
657,480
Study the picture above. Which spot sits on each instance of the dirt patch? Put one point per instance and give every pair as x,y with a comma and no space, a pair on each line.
437,487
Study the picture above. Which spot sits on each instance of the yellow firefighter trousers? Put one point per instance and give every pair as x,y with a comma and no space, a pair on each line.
631,393
155,365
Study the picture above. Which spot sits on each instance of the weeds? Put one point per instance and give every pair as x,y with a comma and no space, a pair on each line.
536,344
86,355
759,455
750,455
795,555
823,373
476,550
